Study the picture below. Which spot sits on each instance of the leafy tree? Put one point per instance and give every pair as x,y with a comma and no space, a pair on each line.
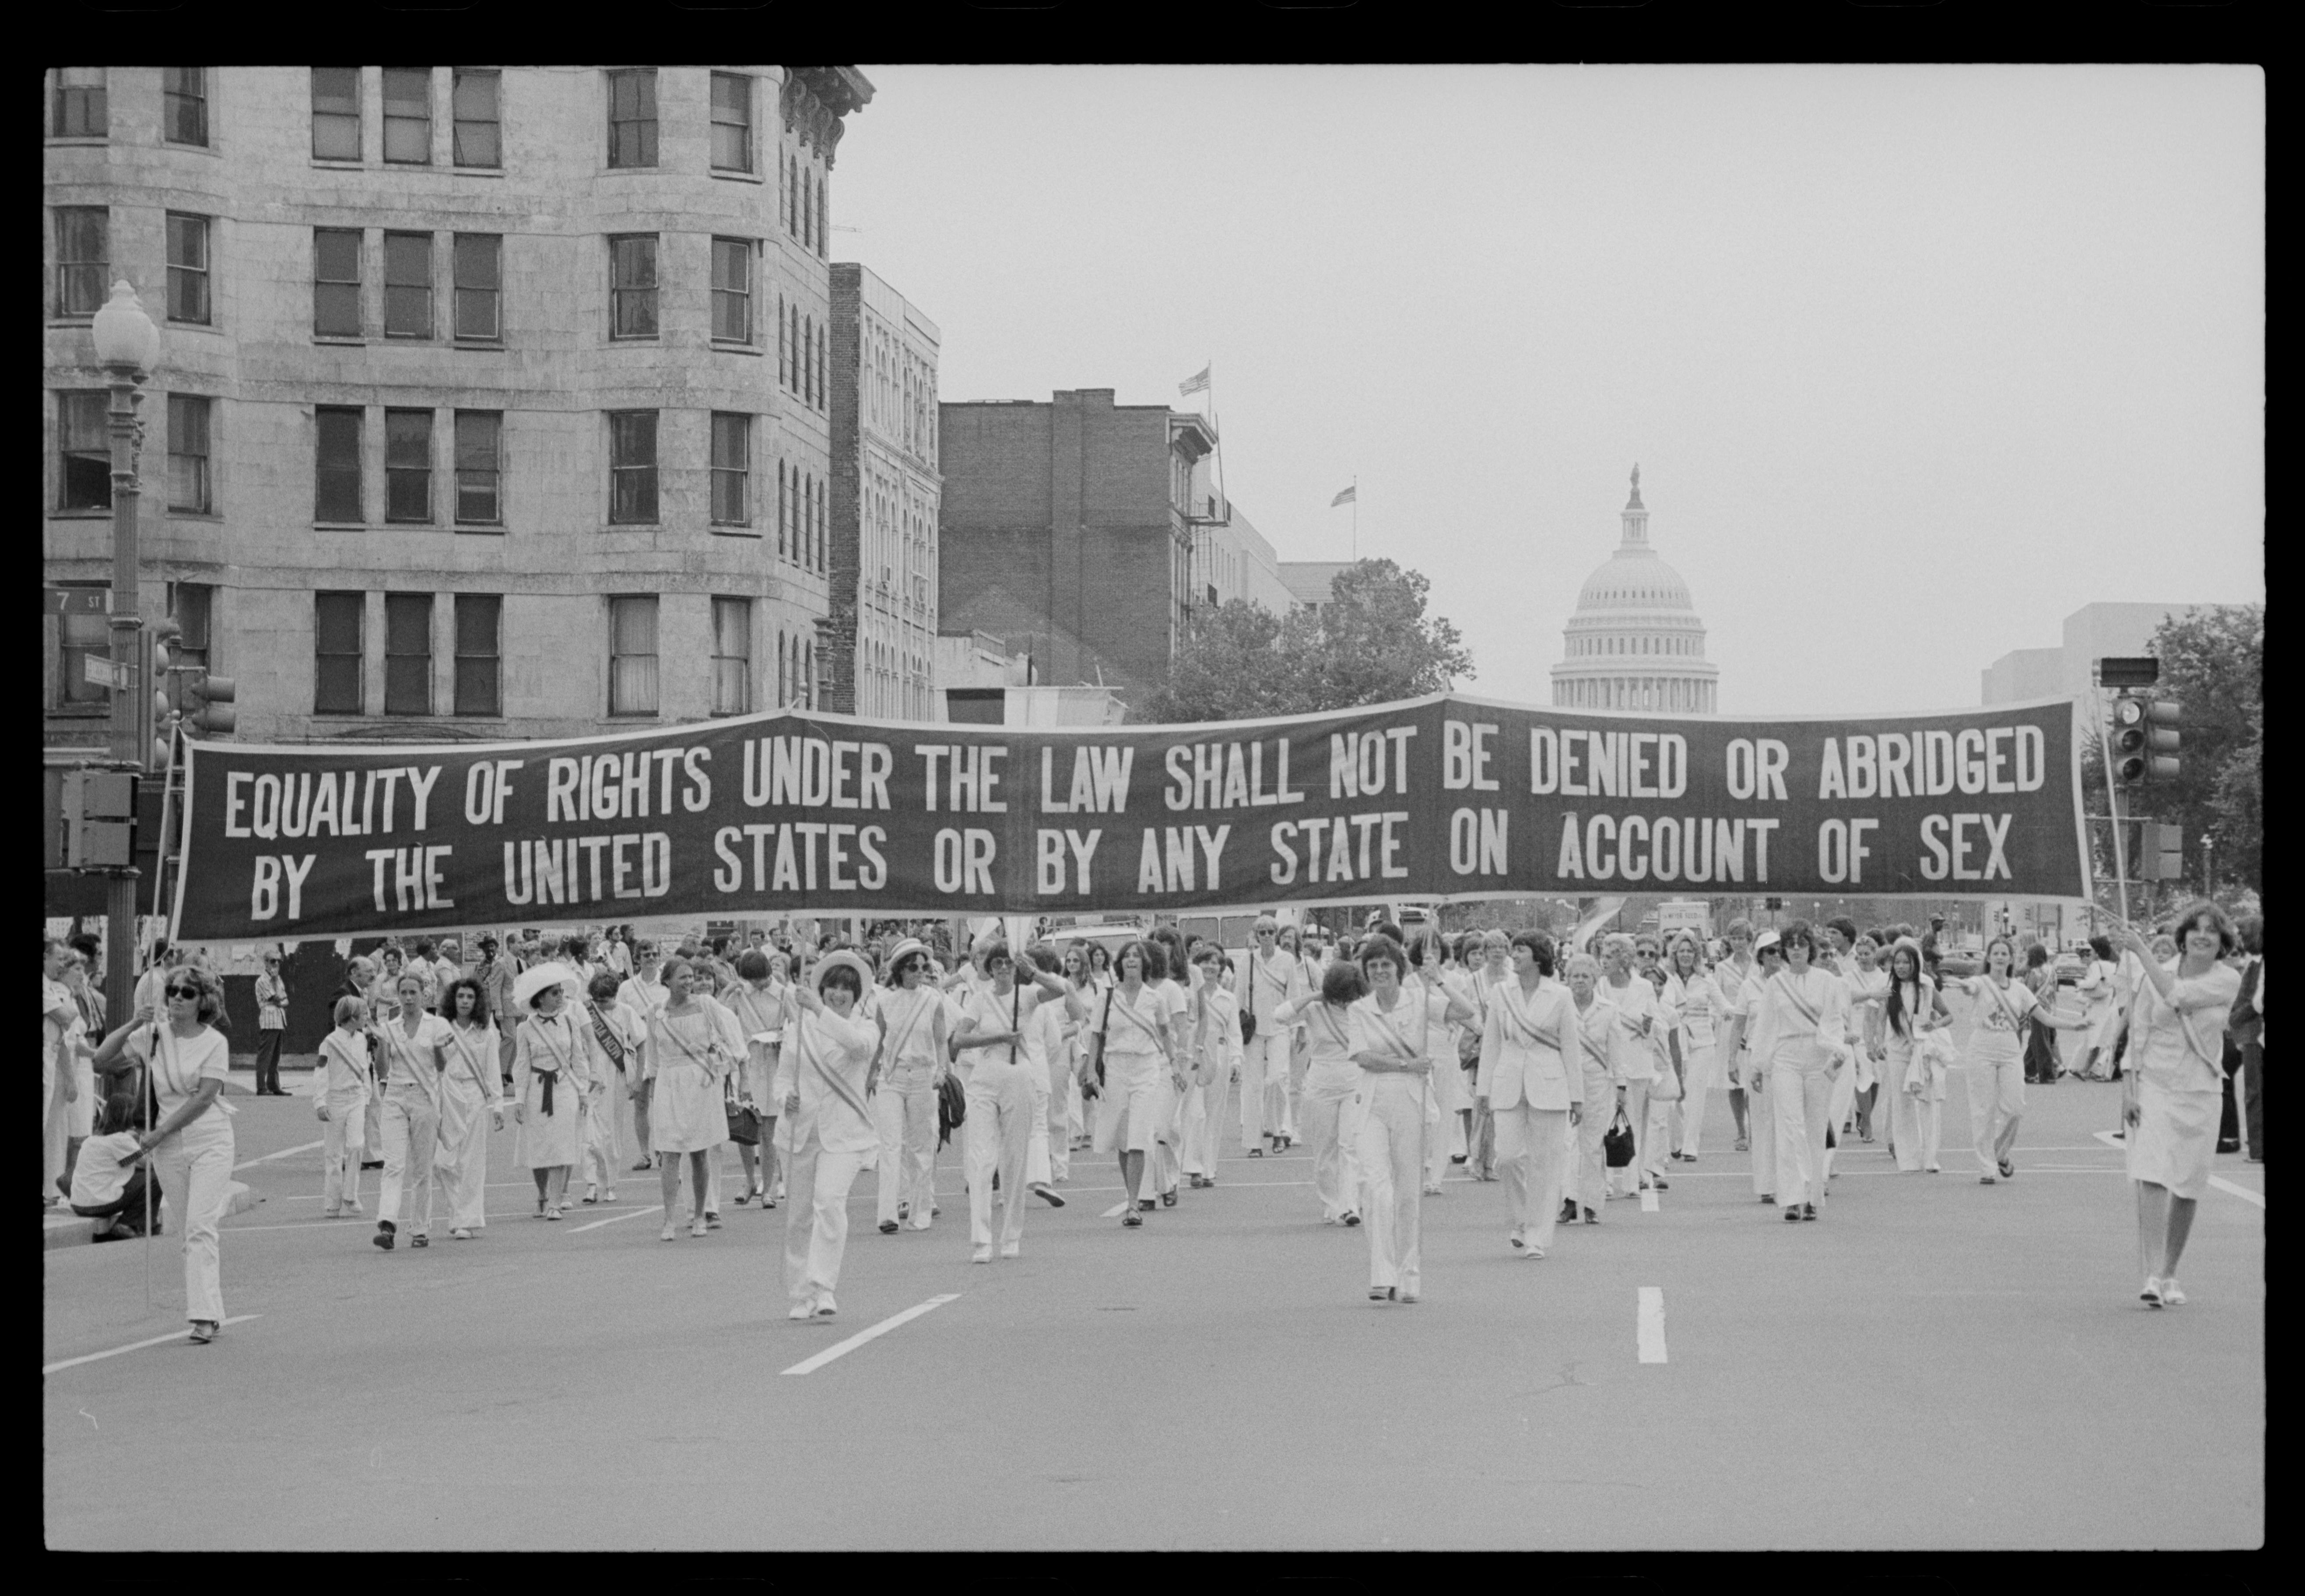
2213,663
1370,644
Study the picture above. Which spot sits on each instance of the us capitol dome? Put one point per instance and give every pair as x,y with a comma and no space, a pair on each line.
1635,641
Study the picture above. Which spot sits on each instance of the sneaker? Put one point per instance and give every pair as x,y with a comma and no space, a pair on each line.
460,1235
1568,1215
1808,1210
609,1196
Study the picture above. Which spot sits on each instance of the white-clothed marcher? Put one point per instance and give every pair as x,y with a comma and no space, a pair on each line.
1696,1000
192,1163
1915,1106
905,1104
1586,1182
825,1132
1213,1051
472,1104
1524,1080
1399,1119
1633,1061
1740,992
611,1060
1996,1066
340,1096
57,1013
412,1117
1865,988
1328,1105
995,1135
1269,977
549,1082
760,1013
1801,1024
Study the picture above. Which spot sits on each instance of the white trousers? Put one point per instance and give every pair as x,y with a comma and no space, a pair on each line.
602,1151
1637,1115
906,1119
1896,1107
194,1168
341,1140
816,1218
1392,1128
1803,1090
996,1134
1696,1085
1281,1082
1037,1170
1761,1108
1332,1125
1057,1127
1531,1154
1996,1102
1589,1169
1262,1057
463,1169
412,1129
54,1132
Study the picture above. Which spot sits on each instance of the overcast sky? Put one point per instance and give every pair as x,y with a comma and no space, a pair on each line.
1915,360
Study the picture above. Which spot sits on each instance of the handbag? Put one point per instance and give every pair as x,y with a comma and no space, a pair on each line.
744,1119
952,1107
1468,1050
1617,1142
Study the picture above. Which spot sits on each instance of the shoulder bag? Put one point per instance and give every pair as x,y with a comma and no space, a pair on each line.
744,1119
1617,1142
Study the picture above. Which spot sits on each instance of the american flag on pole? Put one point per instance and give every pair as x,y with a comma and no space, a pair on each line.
1198,383
1349,496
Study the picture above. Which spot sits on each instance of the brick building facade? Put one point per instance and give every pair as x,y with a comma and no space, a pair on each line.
879,655
1064,531
490,403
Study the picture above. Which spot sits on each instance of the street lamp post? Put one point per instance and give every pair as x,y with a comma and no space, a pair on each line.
128,345
2208,864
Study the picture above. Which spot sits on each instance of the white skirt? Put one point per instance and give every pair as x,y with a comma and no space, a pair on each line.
2174,1141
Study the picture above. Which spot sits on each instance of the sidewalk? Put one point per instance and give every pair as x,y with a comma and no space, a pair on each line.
62,1227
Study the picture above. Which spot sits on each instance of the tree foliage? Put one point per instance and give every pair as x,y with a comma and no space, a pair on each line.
2213,663
1370,644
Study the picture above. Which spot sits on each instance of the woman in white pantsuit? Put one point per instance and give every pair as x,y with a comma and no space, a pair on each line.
1800,1028
1632,1050
689,1059
613,1037
1742,998
1400,1034
2174,1094
1129,1046
756,999
548,1085
1524,1088
1214,1055
1587,1185
471,1104
1451,1092
1694,999
913,1062
190,1142
340,1102
1910,1008
824,1084
415,1057
1331,1082
1999,1005
990,1055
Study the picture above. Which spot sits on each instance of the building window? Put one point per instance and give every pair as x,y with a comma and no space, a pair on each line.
823,219
732,122
632,117
788,325
83,243
792,195
479,624
336,283
632,656
337,487
408,653
81,638
732,656
408,465
408,115
184,105
731,469
80,108
808,358
477,126
479,268
407,285
807,214
732,290
632,286
339,620
480,466
188,453
193,604
783,520
632,466
335,114
83,453
188,267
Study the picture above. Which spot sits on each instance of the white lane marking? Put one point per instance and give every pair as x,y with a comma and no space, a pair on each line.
286,1152
839,1349
1648,1200
618,1219
136,1345
1116,1210
2243,1192
2109,1139
1651,1338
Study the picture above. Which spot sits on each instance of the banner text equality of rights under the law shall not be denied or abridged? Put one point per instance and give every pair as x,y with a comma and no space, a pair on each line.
1437,798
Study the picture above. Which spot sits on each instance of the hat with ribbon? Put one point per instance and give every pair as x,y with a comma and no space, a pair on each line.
903,951
537,977
1765,939
842,960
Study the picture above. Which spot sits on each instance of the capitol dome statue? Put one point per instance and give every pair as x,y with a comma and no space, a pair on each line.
1635,641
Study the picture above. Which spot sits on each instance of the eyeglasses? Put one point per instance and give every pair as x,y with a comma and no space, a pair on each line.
1268,933
183,992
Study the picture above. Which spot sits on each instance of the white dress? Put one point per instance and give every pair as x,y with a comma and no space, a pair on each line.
548,1062
689,1057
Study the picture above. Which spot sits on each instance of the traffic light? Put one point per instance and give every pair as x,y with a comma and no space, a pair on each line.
2144,738
2161,717
207,701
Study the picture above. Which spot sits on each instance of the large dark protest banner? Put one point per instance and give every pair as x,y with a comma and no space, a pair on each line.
1444,797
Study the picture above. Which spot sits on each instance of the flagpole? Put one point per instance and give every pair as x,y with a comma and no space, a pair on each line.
1357,518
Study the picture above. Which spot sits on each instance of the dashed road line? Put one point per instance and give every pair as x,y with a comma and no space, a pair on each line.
618,1219
286,1152
1648,1200
135,1345
842,1348
1650,1336
2243,1192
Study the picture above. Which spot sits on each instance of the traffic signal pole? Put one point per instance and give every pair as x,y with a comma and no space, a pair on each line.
128,697
2112,808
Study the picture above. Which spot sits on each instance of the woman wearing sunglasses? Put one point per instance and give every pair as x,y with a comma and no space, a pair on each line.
190,1142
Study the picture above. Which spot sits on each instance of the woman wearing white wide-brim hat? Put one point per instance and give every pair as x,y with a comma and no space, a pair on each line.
824,1085
548,1084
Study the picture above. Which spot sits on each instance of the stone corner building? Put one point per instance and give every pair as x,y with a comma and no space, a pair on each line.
1635,641
492,402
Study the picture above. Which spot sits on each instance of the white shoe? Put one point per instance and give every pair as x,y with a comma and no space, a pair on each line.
1011,1249
609,1196
2169,1292
983,1254
802,1310
1534,1252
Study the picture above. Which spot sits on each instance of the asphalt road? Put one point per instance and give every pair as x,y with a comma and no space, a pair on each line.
1934,1364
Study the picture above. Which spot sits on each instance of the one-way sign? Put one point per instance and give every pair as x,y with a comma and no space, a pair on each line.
76,601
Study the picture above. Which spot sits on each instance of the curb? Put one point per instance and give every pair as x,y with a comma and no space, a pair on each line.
69,1229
